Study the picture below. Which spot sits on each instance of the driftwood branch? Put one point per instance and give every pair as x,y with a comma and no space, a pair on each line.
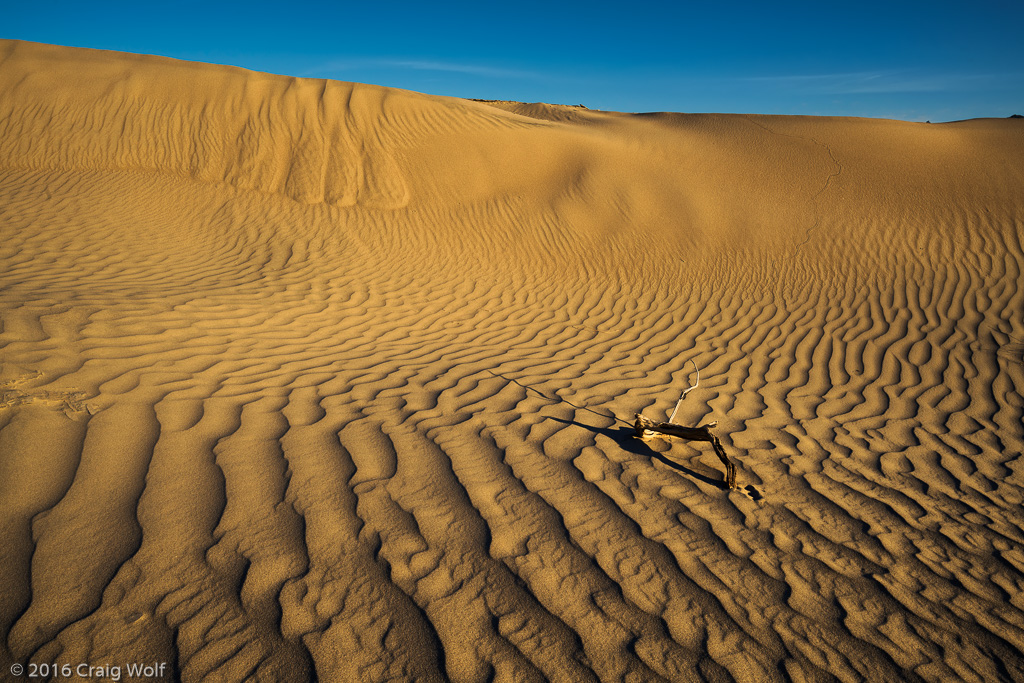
647,428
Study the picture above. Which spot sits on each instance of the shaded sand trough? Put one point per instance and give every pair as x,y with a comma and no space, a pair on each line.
315,379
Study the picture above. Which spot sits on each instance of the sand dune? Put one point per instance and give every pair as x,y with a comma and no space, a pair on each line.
307,379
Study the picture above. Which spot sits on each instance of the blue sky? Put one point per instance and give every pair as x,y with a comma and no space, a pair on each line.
933,60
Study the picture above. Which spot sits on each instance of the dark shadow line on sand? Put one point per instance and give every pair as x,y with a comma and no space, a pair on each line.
625,438
558,399
627,441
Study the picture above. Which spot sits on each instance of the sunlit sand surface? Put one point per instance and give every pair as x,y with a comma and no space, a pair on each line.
308,379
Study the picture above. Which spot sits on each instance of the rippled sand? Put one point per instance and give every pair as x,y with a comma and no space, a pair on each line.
305,379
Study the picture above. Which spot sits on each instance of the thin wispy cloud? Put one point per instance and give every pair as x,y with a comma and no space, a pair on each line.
350,66
474,69
880,82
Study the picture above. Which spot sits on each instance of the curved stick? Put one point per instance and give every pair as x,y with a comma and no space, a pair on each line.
672,417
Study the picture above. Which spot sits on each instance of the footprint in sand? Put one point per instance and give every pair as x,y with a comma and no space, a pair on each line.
13,392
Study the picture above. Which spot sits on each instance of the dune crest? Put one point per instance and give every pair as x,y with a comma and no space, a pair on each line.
313,141
306,379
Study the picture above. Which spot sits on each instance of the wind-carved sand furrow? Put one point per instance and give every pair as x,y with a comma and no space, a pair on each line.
182,476
511,517
690,554
845,391
885,369
454,464
98,509
447,589
209,633
257,527
552,494
384,633
29,487
942,567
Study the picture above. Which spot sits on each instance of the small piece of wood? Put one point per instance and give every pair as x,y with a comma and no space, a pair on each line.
646,428
672,417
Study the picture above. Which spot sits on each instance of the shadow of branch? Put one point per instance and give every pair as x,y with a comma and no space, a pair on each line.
627,441
558,399
625,438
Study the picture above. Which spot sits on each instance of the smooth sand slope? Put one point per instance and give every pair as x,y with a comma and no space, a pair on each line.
305,379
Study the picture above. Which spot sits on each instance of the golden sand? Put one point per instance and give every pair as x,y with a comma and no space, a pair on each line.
302,378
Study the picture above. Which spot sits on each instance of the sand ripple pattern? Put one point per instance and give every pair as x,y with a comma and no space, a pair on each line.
258,434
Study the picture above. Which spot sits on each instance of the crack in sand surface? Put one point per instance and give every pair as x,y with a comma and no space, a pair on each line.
828,179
